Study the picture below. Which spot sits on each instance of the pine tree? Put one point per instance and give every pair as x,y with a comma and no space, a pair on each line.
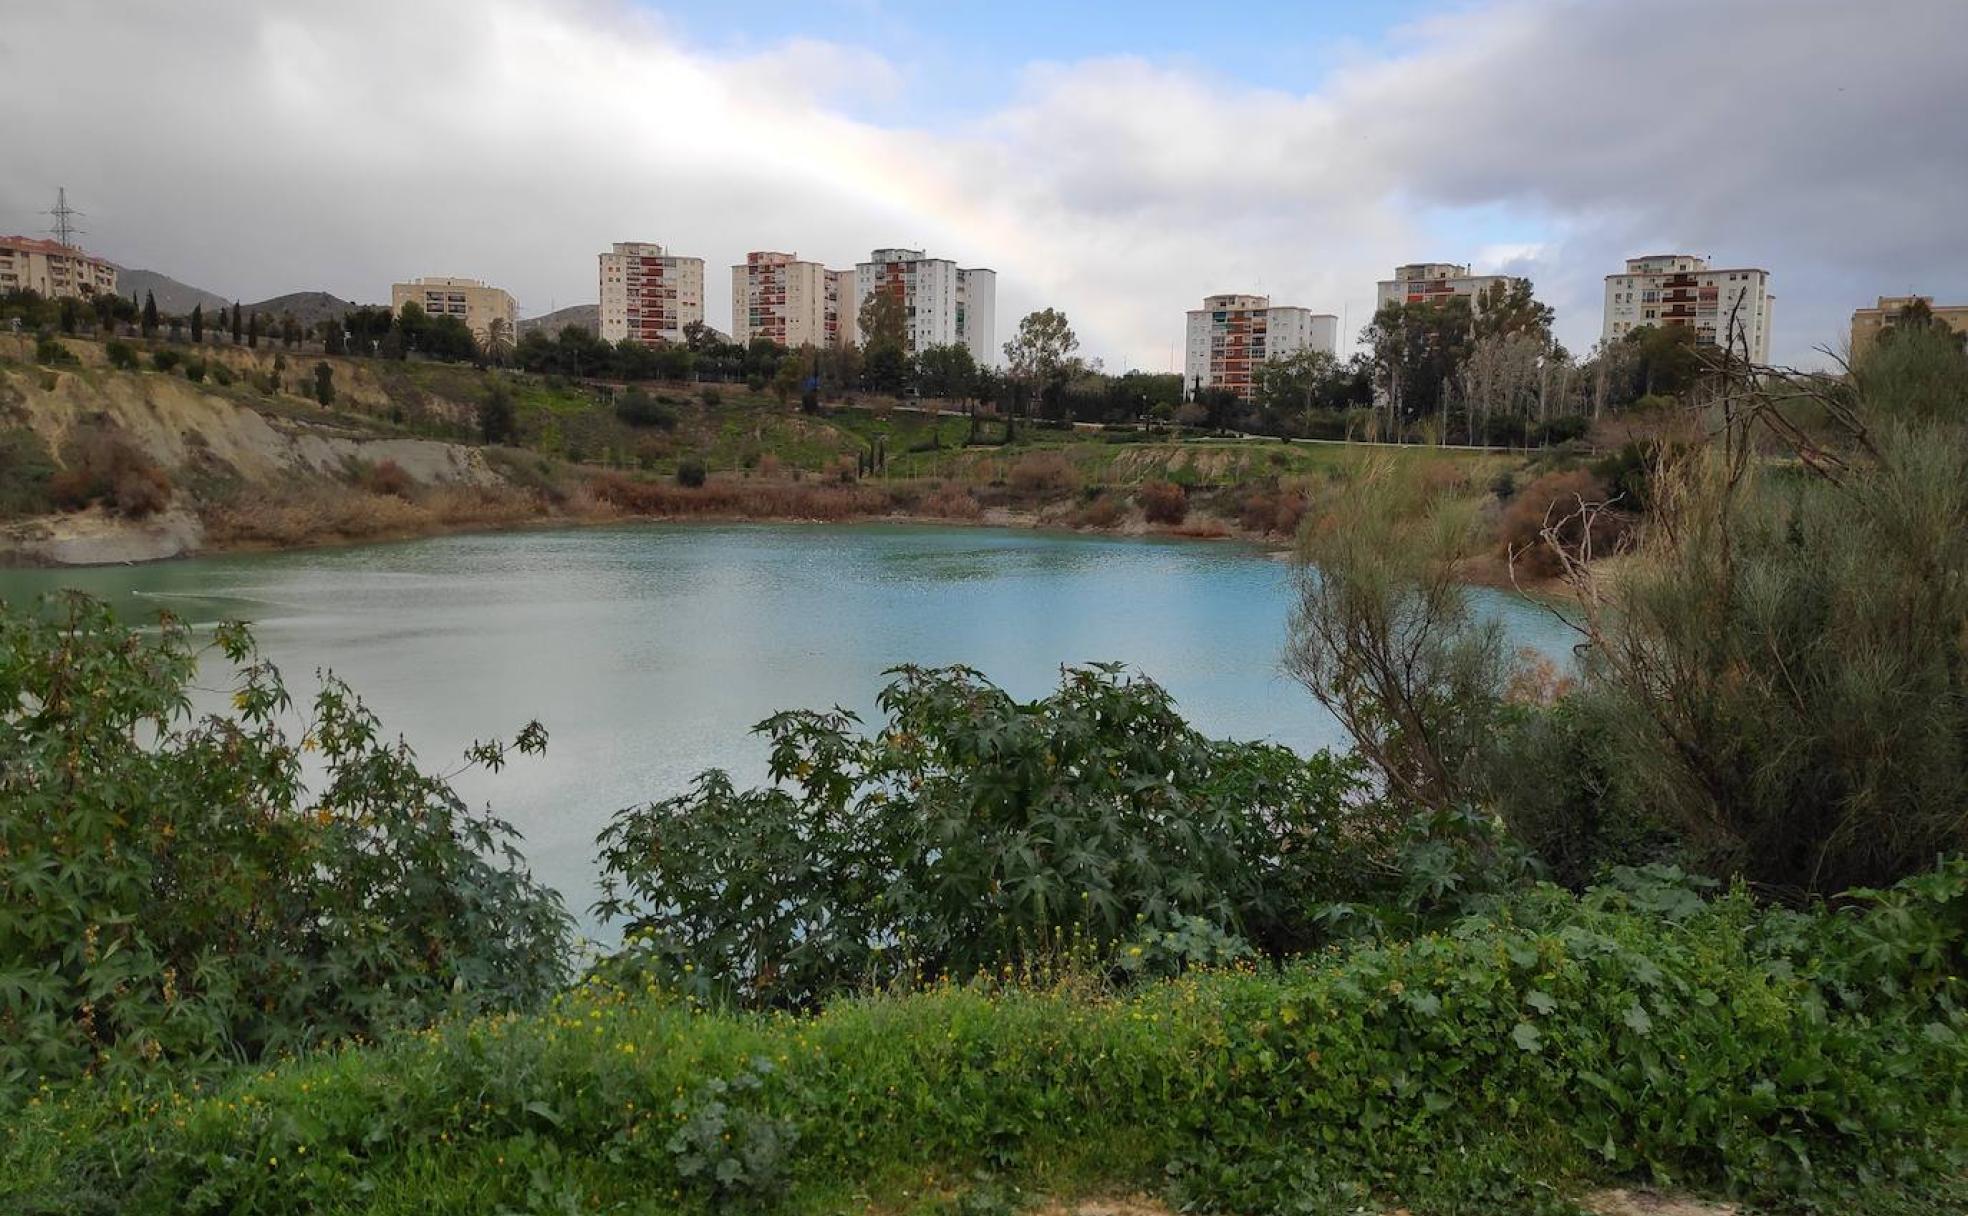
253,330
149,315
197,322
235,322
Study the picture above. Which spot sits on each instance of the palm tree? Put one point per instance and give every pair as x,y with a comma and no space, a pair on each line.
498,339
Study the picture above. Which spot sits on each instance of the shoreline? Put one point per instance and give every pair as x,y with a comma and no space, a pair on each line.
15,553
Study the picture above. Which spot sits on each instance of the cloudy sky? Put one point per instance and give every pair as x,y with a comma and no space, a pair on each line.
1117,160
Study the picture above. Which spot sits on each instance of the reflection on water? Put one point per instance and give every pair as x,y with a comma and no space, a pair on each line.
650,651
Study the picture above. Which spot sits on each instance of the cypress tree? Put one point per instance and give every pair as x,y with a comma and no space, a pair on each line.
149,314
197,322
235,322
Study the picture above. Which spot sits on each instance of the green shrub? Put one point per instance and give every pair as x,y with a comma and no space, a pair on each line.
639,409
194,369
166,359
178,897
975,832
690,472
53,352
1643,1033
221,374
121,354
26,468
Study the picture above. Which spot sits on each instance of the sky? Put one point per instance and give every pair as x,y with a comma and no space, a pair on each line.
1118,161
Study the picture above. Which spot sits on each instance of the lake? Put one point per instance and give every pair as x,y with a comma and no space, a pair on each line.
649,651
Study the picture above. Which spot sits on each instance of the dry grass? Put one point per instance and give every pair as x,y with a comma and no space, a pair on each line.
1554,501
1044,474
328,514
739,499
1163,502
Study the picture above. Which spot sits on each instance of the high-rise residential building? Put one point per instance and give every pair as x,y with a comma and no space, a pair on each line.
1433,282
648,294
942,305
1722,305
843,313
794,303
52,269
477,304
1868,323
1231,336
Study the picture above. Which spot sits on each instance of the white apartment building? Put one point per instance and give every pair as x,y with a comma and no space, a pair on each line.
1683,289
794,303
52,269
843,313
479,305
648,294
1231,336
942,305
1433,282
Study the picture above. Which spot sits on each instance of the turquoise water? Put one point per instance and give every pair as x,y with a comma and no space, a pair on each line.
648,652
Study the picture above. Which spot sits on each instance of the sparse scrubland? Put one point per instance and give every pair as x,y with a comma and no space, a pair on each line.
1689,913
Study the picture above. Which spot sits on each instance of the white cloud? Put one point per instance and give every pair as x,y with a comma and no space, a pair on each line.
281,146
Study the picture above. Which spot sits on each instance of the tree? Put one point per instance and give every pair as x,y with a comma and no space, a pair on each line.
1417,349
499,340
334,340
949,372
235,323
786,378
324,384
883,321
1037,355
1509,307
699,338
149,315
498,421
197,322
253,330
291,332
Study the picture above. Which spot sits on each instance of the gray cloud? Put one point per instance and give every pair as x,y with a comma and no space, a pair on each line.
265,148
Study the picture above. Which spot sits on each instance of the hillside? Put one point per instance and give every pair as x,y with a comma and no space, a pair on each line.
309,307
173,297
588,316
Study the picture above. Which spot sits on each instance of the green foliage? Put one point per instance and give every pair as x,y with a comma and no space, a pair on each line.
167,359
26,467
975,832
53,352
121,355
498,420
690,472
177,897
1384,635
639,409
1643,1033
324,384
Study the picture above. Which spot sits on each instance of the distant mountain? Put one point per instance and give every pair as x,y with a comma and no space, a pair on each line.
309,307
588,316
173,298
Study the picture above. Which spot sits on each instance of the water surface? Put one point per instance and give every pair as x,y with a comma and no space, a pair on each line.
649,651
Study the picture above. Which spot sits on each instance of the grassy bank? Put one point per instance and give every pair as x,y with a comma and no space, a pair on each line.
1509,1065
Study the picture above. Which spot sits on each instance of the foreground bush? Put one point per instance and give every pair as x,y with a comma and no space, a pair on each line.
974,832
1642,1033
173,894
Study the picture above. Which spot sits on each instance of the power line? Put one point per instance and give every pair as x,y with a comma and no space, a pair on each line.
64,230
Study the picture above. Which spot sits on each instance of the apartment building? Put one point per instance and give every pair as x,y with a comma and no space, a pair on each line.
649,294
1683,289
794,303
1433,282
942,304
479,305
52,269
1868,323
843,312
1231,336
